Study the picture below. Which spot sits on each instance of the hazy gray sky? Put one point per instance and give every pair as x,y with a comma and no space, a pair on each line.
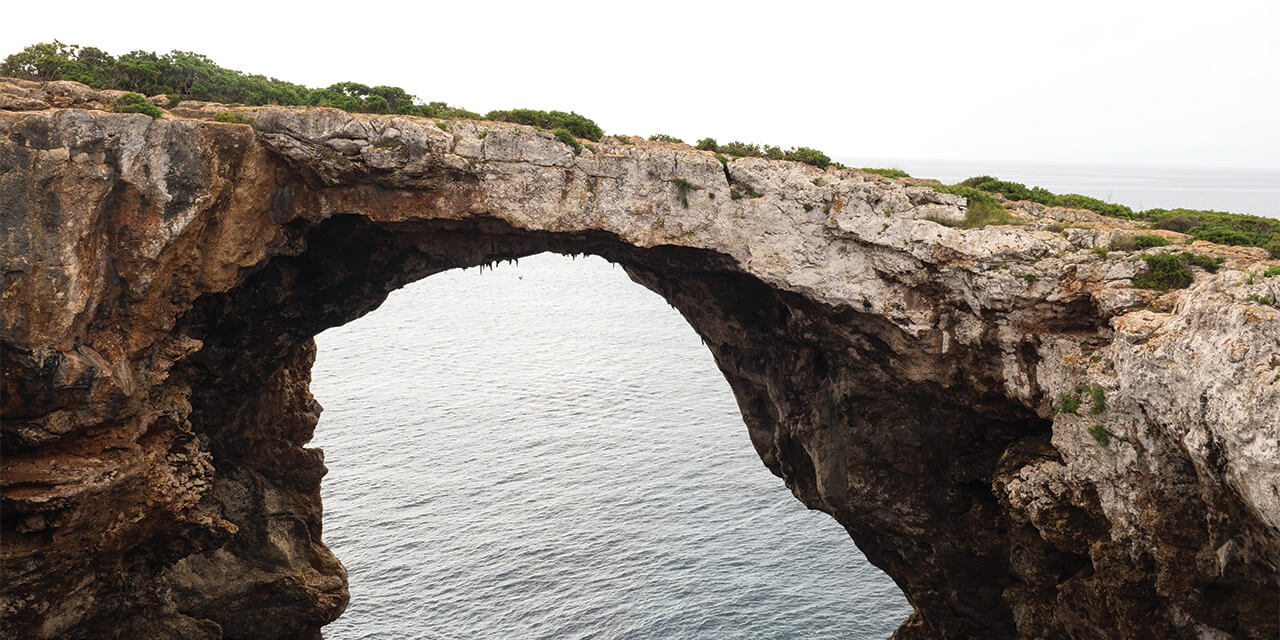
1098,82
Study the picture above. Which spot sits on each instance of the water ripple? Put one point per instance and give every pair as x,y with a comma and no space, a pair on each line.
546,450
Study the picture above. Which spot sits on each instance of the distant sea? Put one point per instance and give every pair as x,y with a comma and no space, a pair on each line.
546,450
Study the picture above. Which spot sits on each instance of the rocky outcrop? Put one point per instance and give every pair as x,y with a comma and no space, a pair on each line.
164,279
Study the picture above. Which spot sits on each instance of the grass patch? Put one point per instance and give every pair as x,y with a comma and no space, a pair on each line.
1260,299
233,117
135,103
888,173
1168,271
566,136
1271,271
1100,251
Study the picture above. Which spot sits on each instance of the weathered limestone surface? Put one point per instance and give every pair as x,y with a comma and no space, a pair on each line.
163,281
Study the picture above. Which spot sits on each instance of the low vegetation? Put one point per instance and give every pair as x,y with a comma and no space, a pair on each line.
183,75
566,136
888,173
983,209
233,117
1168,271
662,137
745,150
683,187
577,125
1100,434
1135,242
135,103
1068,403
1212,226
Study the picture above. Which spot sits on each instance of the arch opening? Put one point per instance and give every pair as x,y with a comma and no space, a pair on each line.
821,391
568,462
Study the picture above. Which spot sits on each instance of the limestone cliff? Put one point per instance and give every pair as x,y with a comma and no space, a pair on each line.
163,280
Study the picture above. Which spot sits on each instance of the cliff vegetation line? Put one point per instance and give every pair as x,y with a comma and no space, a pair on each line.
184,75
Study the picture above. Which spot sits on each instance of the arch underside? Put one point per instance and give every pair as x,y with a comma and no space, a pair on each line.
820,391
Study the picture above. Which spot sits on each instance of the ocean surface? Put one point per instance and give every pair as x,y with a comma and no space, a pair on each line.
545,449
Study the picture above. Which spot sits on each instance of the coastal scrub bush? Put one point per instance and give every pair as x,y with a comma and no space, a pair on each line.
1149,240
888,173
232,117
708,144
982,210
1167,272
1219,227
662,137
566,136
809,156
135,103
1208,263
577,125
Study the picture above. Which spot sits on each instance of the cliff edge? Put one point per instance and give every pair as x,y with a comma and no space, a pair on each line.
1028,444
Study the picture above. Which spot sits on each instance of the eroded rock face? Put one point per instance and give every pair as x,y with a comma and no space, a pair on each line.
164,279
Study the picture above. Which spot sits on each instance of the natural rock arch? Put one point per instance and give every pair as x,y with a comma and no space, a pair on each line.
165,279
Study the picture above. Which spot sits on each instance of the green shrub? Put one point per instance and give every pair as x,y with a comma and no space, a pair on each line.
1208,263
736,148
1260,299
662,137
1018,191
888,173
1220,227
683,187
577,125
1100,434
982,209
809,156
1272,271
708,144
566,136
1167,272
135,103
1097,400
1068,403
386,143
233,117
1101,251
1149,240
1181,224
622,139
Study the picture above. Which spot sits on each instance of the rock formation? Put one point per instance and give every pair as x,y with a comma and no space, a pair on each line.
163,280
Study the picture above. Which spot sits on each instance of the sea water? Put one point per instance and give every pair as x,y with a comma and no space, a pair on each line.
546,450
